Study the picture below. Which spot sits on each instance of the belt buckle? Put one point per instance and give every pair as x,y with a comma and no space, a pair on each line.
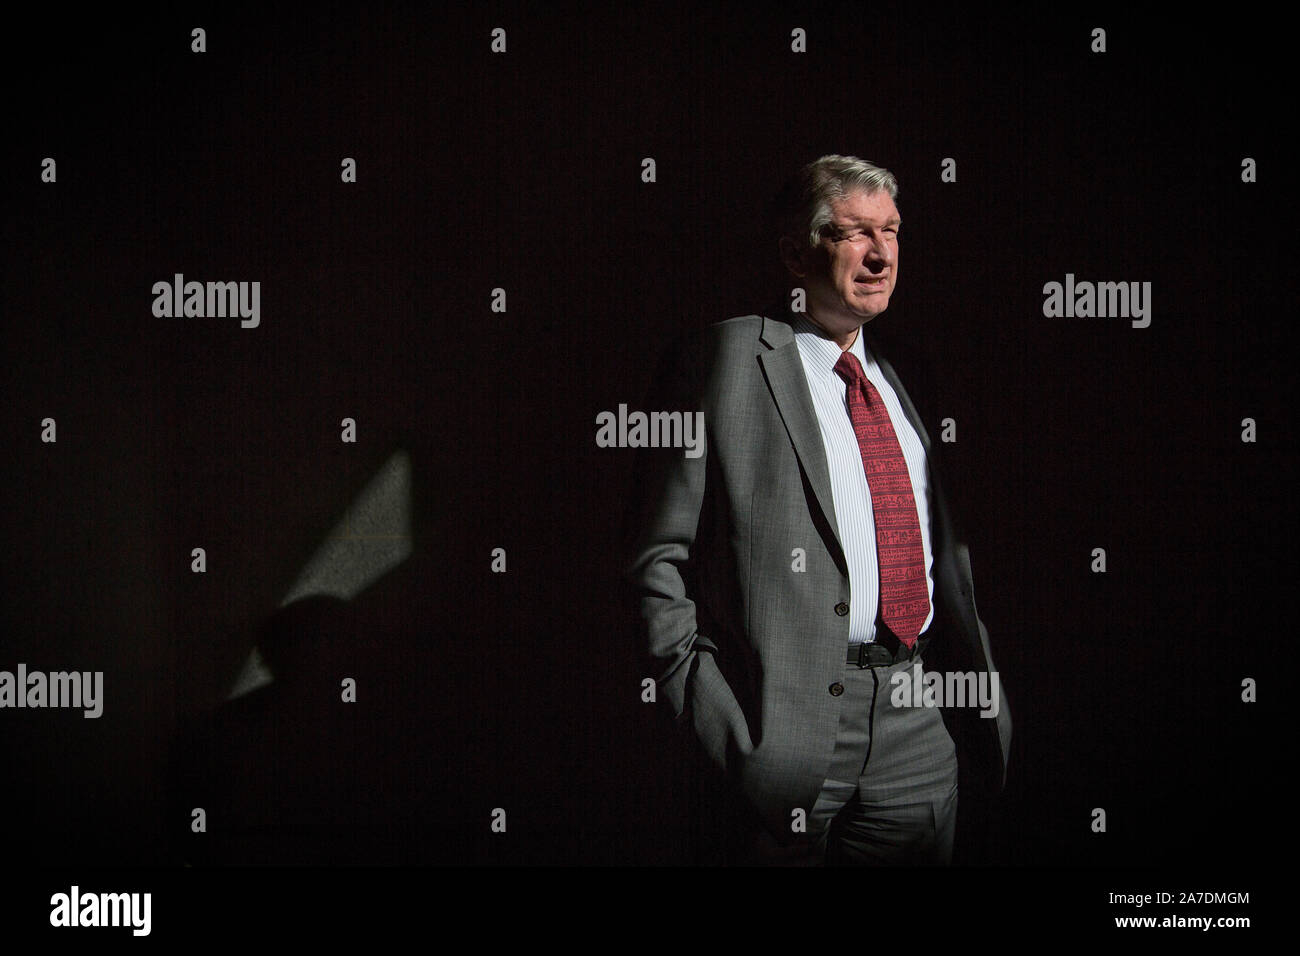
871,654
883,656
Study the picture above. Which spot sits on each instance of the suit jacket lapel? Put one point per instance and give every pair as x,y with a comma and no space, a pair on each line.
952,577
941,526
904,399
783,367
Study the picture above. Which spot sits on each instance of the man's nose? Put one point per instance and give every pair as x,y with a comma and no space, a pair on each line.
877,252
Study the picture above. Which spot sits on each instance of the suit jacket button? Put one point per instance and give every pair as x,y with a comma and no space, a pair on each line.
836,689
841,609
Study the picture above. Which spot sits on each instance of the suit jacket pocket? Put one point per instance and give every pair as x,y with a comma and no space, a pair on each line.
715,714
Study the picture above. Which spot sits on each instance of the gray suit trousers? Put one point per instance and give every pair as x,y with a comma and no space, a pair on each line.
890,797
891,793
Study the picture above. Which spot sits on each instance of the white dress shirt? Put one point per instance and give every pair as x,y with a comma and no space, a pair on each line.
849,487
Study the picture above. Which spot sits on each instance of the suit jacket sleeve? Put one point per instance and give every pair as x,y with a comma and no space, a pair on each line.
669,493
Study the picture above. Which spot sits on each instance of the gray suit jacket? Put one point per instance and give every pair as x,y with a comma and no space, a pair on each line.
748,647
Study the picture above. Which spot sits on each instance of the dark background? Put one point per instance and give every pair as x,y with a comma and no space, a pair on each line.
522,171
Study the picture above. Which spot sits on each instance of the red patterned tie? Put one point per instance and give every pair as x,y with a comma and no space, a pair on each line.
904,596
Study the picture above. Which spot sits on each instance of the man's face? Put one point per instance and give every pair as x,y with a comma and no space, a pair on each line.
850,275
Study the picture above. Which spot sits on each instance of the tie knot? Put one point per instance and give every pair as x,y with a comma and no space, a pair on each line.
849,368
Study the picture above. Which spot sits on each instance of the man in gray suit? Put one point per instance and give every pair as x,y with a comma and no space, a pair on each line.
801,581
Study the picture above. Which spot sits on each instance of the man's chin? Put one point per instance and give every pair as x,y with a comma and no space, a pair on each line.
868,307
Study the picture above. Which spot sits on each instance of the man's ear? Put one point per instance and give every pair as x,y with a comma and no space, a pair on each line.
794,259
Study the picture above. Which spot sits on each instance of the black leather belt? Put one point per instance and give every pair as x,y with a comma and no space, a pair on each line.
885,651
871,655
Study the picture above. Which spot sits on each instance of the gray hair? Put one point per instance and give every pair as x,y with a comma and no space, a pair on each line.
804,207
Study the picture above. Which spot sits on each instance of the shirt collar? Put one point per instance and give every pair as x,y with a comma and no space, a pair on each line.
814,343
